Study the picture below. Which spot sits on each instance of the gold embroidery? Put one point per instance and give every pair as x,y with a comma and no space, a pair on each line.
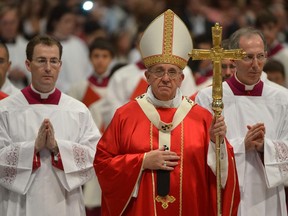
167,56
166,127
165,200
140,96
181,169
189,100
168,198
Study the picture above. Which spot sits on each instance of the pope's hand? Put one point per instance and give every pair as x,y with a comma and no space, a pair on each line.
218,128
160,159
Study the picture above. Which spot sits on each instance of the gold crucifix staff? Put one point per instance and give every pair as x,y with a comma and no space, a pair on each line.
216,54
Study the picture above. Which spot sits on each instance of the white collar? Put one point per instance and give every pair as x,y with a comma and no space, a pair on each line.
42,95
247,87
174,103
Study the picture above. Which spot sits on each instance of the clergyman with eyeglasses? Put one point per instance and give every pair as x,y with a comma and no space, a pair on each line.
157,156
256,114
47,141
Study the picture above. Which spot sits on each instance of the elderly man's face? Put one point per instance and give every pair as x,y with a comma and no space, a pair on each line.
249,69
164,80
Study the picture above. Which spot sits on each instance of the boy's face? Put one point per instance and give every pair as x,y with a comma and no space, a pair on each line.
100,60
270,31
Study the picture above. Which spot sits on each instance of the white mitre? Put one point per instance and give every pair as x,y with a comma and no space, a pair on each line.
166,40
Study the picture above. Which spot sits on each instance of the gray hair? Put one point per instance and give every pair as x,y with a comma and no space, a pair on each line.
247,32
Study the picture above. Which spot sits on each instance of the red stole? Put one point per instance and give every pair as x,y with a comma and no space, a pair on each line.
90,96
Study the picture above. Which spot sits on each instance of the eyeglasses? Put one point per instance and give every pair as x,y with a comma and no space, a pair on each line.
172,73
225,66
42,62
250,57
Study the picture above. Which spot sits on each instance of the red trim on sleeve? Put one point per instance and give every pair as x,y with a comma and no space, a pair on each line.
57,161
36,161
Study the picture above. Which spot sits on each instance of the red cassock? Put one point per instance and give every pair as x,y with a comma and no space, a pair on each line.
119,157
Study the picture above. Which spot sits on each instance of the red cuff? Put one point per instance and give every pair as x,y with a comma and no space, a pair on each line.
36,161
57,161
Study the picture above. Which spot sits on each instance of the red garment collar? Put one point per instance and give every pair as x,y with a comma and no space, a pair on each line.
34,98
239,89
100,82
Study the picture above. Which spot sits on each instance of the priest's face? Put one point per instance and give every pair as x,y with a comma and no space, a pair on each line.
44,67
164,80
249,69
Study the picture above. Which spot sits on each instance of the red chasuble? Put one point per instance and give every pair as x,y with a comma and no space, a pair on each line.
119,157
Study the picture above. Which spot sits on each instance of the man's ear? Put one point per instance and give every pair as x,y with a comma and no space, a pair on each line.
182,78
147,75
28,65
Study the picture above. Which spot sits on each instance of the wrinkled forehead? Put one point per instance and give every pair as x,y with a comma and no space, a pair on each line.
165,67
252,44
251,39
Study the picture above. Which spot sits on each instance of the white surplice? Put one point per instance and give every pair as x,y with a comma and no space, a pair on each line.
47,190
261,186
9,88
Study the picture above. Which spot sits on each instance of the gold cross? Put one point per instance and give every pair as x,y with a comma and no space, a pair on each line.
216,54
165,200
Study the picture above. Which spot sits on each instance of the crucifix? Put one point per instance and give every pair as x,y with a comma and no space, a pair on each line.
216,54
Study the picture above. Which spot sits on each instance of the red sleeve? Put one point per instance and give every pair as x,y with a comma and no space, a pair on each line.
57,161
36,161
